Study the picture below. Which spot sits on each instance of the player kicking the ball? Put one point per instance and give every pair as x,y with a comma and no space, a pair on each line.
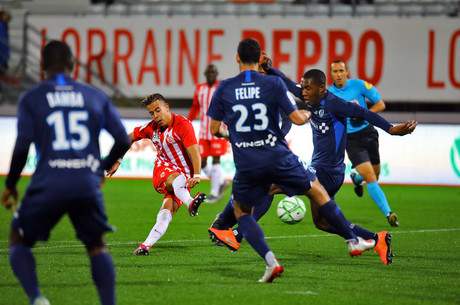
249,105
177,166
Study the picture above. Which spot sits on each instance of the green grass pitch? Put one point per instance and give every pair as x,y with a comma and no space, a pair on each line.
186,268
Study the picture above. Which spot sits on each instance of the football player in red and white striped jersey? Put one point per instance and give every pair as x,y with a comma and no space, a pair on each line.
209,144
177,166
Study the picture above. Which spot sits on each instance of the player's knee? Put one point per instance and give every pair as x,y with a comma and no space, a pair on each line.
16,239
164,215
96,246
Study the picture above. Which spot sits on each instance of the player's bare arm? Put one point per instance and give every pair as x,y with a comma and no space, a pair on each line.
194,153
378,107
218,130
300,117
115,167
403,129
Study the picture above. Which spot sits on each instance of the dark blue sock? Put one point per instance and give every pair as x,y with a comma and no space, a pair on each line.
253,234
357,230
23,264
103,273
228,214
331,211
259,211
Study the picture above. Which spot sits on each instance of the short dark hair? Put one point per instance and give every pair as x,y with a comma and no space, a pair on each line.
338,61
57,55
316,75
152,98
249,51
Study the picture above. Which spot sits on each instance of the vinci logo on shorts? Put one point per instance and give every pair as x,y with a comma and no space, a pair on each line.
455,156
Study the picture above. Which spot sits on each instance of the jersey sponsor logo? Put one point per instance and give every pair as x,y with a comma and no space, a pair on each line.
322,127
156,137
368,85
270,140
65,99
90,162
247,93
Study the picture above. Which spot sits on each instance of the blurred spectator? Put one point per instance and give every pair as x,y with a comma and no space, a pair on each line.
4,43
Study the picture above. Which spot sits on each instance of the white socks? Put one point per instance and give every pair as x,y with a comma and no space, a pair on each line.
164,217
270,258
217,178
181,191
207,170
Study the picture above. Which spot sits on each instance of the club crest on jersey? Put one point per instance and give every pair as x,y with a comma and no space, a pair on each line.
162,175
170,139
321,113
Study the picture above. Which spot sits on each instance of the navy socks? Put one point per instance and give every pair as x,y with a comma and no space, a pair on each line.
103,273
23,264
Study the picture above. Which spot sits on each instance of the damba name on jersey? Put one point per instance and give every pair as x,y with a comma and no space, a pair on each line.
246,93
65,99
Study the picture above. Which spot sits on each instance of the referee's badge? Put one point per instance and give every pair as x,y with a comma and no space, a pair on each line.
368,85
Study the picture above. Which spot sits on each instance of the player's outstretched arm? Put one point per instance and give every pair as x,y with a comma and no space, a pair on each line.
116,165
300,117
403,129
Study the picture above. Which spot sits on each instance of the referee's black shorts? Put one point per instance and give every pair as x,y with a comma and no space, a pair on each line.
363,146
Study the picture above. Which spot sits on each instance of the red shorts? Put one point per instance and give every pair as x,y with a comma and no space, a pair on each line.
160,175
213,148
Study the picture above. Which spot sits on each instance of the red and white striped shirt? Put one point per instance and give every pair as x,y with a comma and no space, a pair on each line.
201,100
171,144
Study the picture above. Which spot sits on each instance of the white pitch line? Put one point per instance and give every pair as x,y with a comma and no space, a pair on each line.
77,244
301,292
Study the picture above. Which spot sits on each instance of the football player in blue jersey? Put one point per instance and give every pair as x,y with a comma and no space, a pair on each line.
63,118
249,104
362,138
328,123
328,163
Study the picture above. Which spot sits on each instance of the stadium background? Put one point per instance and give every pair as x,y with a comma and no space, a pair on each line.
184,267
410,50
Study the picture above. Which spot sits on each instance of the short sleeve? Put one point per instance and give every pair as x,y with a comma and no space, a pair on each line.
187,133
369,91
143,132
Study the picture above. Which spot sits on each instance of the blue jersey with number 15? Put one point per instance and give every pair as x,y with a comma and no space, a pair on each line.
249,104
64,118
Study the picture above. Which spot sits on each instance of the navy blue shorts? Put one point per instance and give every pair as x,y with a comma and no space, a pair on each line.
292,175
330,179
39,213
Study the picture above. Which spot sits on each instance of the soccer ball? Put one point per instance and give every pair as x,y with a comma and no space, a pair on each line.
291,210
